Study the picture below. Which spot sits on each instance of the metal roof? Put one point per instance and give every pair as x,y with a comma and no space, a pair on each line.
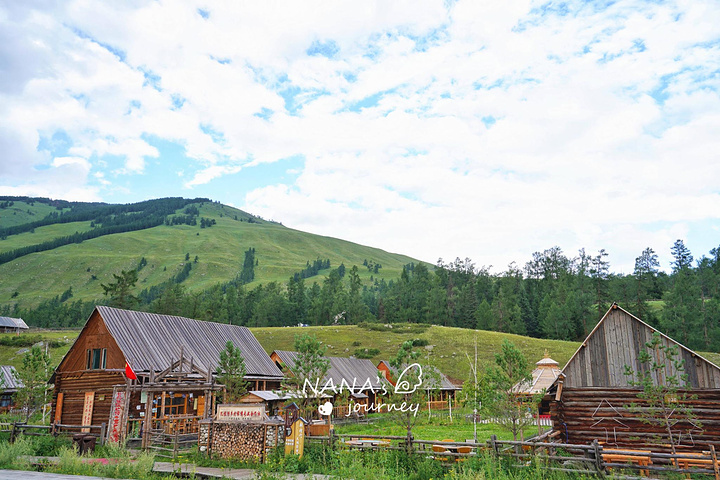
8,380
152,341
9,322
272,395
341,368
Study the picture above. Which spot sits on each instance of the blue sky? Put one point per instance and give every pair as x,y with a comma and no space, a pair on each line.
487,130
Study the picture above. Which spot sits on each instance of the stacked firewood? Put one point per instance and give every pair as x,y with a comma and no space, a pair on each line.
243,441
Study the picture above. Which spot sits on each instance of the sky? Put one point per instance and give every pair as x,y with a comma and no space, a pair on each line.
437,129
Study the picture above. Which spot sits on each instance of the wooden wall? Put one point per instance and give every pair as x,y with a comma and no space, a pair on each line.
616,342
94,335
74,387
73,380
586,414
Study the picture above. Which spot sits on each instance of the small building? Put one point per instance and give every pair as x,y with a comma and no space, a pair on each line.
544,376
592,393
174,360
358,374
12,325
441,392
9,385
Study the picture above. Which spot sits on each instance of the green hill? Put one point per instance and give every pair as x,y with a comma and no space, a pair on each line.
280,251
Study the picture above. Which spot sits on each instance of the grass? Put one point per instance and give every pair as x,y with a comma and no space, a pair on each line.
42,234
22,212
280,252
435,428
13,355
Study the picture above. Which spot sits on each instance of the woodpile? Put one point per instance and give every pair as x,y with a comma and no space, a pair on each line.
585,414
243,441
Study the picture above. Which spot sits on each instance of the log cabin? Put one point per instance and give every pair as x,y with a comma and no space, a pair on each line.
174,360
593,393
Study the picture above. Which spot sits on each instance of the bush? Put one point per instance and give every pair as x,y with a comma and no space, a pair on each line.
366,353
419,342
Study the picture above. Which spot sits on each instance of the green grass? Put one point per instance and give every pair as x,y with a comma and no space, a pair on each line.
13,355
280,252
436,428
42,234
22,212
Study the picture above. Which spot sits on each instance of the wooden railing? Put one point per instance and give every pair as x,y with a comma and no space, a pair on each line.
590,459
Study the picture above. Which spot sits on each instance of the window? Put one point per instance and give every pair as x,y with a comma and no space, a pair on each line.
96,358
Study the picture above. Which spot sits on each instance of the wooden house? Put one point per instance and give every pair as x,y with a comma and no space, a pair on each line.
593,393
12,325
441,391
9,385
173,358
359,374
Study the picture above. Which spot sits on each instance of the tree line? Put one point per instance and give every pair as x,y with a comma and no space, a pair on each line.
552,296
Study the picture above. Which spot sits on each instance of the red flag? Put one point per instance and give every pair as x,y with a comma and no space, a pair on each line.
129,372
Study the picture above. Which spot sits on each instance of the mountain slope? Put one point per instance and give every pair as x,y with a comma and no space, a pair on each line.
280,252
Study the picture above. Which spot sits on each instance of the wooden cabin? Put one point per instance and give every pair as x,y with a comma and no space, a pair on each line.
12,325
440,393
9,385
174,359
360,374
593,392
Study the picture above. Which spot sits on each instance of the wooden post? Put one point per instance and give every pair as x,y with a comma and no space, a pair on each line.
147,424
103,433
715,462
493,445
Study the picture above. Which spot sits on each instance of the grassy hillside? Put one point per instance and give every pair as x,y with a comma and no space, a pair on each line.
447,346
24,212
280,252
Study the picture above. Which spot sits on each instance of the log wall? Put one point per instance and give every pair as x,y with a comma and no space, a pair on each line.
75,384
586,414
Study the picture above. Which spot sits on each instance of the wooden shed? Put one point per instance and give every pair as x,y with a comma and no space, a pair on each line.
12,325
593,393
174,359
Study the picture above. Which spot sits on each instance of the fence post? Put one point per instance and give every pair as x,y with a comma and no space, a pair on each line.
715,462
493,444
103,432
597,451
12,433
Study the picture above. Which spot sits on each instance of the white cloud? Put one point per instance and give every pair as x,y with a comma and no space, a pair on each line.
487,130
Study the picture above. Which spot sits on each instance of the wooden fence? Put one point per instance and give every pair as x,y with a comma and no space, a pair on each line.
590,459
55,429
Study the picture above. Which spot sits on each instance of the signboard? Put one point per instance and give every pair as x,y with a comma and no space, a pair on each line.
117,410
88,410
251,412
295,442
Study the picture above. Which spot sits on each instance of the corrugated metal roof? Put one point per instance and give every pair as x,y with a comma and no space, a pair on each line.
13,323
152,341
9,382
341,368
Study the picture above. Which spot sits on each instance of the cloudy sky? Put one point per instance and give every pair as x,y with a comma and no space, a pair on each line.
481,129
